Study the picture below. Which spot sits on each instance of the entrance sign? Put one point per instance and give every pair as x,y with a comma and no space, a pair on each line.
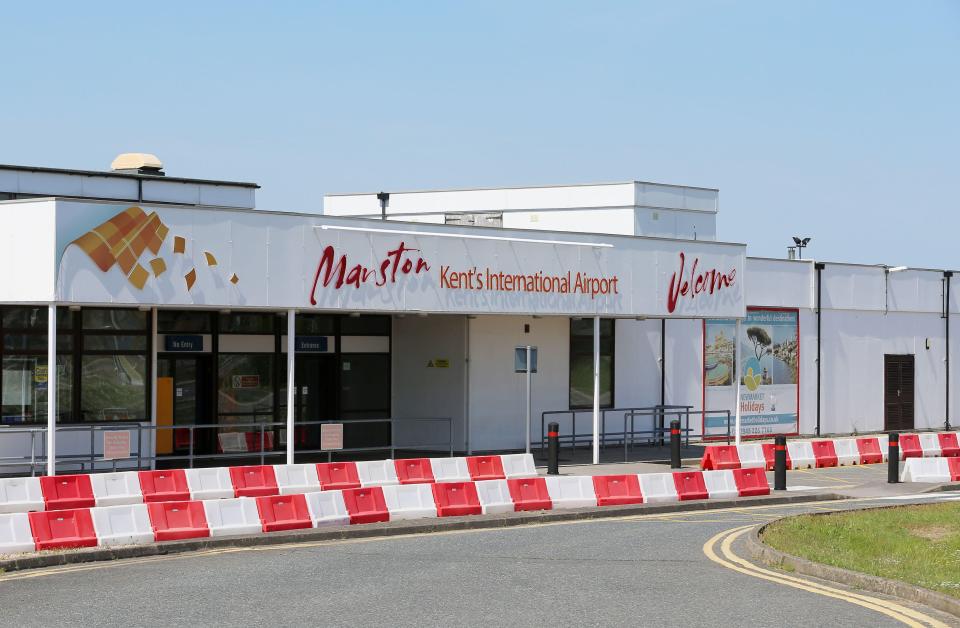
172,256
116,445
331,436
769,373
312,344
182,343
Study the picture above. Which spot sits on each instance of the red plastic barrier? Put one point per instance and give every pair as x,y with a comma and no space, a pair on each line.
366,505
414,471
485,468
64,492
949,446
254,481
910,446
338,475
617,490
954,465
61,529
283,512
164,486
456,498
870,452
751,482
825,453
690,485
173,521
769,451
719,457
529,494
253,441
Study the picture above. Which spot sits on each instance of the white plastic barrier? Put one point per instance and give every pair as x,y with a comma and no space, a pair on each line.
15,534
751,456
801,455
450,469
327,509
409,501
232,442
377,473
571,491
720,484
20,495
847,452
296,478
930,444
232,516
658,487
885,447
494,496
518,466
114,489
925,470
122,525
212,483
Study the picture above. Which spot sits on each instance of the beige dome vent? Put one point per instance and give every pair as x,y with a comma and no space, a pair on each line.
137,163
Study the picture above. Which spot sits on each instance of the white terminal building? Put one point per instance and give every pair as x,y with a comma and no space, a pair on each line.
204,326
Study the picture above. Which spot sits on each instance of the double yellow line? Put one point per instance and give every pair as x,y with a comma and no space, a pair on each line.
730,560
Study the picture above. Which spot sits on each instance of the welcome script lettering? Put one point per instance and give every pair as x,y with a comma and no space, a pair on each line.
695,283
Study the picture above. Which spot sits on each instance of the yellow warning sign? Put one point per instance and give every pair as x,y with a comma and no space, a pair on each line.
438,363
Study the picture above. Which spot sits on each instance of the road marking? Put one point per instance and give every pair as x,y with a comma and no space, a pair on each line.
732,561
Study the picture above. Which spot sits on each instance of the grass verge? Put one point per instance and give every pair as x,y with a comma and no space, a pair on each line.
915,544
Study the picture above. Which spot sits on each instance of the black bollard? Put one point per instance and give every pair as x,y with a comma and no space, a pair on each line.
780,463
675,444
893,460
553,449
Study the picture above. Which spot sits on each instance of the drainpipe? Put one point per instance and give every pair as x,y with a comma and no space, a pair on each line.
819,266
947,275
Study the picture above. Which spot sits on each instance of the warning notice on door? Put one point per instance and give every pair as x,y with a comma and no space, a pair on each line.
331,436
116,445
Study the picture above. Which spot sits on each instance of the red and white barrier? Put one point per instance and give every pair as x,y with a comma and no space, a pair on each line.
936,470
20,495
212,483
831,453
130,524
297,478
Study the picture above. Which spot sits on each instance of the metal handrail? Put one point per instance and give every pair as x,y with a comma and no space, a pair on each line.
142,458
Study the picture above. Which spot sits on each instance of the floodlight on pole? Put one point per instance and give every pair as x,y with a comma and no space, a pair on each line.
801,244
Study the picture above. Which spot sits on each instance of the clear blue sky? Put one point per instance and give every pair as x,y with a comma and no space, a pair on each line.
836,120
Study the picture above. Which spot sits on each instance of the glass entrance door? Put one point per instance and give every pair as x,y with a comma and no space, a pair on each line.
315,396
183,392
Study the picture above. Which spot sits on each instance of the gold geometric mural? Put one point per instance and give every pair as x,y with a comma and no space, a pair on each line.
124,238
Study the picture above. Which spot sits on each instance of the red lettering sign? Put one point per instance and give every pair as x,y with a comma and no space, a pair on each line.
338,271
696,282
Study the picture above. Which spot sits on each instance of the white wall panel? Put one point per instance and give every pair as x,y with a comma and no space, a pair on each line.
28,251
778,283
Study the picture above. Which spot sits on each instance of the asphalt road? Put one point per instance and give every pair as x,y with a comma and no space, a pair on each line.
649,570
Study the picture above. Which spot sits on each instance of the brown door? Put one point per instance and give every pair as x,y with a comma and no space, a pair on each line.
898,392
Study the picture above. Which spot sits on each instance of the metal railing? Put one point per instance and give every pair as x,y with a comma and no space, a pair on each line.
262,445
629,435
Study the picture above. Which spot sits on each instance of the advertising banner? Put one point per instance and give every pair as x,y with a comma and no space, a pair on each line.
110,253
768,370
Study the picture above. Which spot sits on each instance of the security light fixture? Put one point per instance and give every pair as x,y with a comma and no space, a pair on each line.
897,269
801,244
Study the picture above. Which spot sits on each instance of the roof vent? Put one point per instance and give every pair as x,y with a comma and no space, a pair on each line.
138,163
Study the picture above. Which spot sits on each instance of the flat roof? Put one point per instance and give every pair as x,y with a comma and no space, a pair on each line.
126,175
529,187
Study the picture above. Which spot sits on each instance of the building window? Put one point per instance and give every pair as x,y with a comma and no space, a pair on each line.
245,389
581,363
24,376
114,353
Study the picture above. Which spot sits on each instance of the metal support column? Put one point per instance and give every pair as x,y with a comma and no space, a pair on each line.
596,390
291,386
737,374
52,389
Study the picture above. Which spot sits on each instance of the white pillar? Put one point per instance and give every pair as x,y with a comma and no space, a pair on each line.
152,435
596,390
291,386
737,374
52,390
526,436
